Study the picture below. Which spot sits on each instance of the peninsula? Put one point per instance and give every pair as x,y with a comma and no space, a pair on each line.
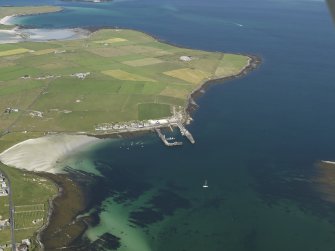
110,81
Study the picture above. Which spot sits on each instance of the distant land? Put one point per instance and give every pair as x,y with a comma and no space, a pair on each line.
7,12
91,1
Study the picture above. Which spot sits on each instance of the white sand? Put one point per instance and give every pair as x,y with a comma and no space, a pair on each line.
328,162
41,35
41,154
6,20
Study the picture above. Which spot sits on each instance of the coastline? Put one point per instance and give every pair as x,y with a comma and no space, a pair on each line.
62,197
49,214
253,64
62,227
51,148
6,20
328,162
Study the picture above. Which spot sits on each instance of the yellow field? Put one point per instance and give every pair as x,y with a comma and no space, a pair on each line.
123,75
188,75
173,92
226,71
109,51
112,40
231,65
13,52
43,52
148,50
143,62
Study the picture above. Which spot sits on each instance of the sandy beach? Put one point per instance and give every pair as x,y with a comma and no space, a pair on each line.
16,34
6,20
328,162
41,154
41,35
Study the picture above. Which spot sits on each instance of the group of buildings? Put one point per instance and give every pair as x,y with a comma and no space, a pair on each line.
132,126
22,246
4,223
3,186
9,110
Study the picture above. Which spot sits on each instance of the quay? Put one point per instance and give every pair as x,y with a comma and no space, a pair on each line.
153,125
165,141
185,132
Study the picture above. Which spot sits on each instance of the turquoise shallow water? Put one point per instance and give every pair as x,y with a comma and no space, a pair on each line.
258,138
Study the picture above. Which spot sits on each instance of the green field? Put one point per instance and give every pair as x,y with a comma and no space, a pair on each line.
153,111
31,195
131,77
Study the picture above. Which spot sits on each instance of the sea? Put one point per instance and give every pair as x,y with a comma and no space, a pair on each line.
259,138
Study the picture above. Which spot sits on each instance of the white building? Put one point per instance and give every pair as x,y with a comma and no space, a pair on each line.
185,58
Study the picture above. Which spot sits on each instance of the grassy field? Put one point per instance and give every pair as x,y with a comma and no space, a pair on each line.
31,194
4,214
153,111
131,77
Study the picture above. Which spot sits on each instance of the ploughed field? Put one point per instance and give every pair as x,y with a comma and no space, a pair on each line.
111,76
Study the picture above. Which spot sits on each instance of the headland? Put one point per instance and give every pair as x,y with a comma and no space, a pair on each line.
111,81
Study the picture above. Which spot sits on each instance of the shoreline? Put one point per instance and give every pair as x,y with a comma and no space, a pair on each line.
328,162
6,20
63,223
50,211
254,62
51,147
189,108
18,35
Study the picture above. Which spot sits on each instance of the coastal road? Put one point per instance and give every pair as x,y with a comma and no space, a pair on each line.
11,210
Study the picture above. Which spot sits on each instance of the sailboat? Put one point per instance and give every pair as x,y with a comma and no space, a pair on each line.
205,184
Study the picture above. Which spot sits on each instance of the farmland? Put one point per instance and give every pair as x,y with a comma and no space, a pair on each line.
31,195
111,76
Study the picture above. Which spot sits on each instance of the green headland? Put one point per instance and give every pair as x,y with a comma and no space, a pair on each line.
111,76
108,81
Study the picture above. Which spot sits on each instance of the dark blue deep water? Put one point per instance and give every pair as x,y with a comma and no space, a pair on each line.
259,138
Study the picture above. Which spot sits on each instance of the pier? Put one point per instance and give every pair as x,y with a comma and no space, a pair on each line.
165,141
185,132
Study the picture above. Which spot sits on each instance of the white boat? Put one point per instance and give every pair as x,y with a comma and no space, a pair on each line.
205,184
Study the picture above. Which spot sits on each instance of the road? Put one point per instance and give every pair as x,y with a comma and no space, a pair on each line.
11,210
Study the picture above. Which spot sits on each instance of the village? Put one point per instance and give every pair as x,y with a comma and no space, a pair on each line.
176,120
3,188
22,246
23,220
